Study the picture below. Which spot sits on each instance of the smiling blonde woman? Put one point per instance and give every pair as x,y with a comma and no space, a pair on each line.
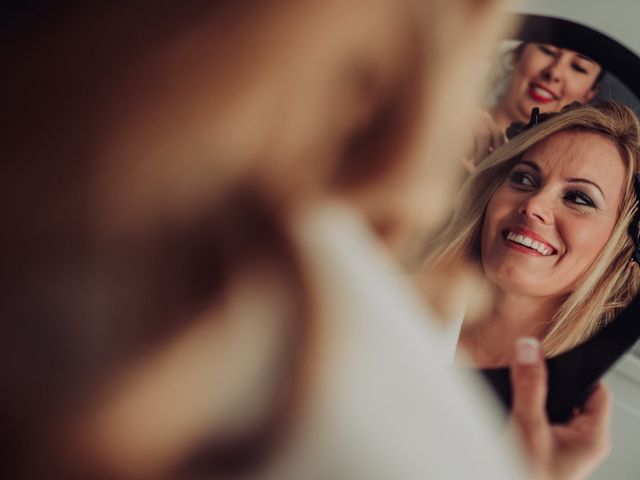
546,217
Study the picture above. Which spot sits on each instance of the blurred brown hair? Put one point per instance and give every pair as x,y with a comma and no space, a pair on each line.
156,150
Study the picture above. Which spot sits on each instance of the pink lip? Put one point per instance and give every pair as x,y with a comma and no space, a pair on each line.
523,249
528,233
532,93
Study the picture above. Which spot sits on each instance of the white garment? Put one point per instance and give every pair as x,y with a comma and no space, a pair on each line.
450,333
382,402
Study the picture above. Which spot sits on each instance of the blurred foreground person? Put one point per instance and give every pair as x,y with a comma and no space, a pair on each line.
198,206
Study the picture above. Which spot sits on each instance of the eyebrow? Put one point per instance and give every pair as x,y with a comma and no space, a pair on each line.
584,57
584,180
578,54
558,50
536,167
529,163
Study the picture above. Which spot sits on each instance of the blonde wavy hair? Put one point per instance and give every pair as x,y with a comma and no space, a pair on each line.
611,281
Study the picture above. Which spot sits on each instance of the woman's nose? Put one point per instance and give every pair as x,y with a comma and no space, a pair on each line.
537,207
553,72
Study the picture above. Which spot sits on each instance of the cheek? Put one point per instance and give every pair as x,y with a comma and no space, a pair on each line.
579,88
587,241
497,208
518,82
485,236
530,65
499,205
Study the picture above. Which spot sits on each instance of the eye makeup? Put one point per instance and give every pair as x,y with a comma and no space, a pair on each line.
525,175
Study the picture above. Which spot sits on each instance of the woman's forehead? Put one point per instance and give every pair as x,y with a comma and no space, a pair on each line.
573,153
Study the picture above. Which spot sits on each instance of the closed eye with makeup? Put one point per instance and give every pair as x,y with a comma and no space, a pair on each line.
547,77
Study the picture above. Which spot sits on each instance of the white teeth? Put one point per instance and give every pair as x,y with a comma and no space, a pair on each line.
543,93
528,242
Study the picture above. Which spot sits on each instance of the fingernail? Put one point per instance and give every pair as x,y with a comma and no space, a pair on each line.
527,349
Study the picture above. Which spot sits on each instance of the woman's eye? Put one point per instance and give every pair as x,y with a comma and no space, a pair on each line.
546,50
522,179
579,198
579,68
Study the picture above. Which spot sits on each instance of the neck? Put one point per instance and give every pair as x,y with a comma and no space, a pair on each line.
489,341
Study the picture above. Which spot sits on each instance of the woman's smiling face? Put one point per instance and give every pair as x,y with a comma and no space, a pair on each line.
553,214
549,78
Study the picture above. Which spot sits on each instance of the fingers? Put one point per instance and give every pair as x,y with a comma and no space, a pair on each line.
498,137
487,137
529,383
482,143
598,405
596,413
593,426
573,450
469,164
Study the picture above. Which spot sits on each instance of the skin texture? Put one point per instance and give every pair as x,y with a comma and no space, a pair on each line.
564,74
551,203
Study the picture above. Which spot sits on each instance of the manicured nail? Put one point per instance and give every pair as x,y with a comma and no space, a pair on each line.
527,350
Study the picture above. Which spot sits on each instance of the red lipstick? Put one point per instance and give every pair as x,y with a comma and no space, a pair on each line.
544,245
540,93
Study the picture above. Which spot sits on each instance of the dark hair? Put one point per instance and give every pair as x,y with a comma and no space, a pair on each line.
517,52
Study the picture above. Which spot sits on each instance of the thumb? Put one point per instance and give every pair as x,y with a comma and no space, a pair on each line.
529,384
